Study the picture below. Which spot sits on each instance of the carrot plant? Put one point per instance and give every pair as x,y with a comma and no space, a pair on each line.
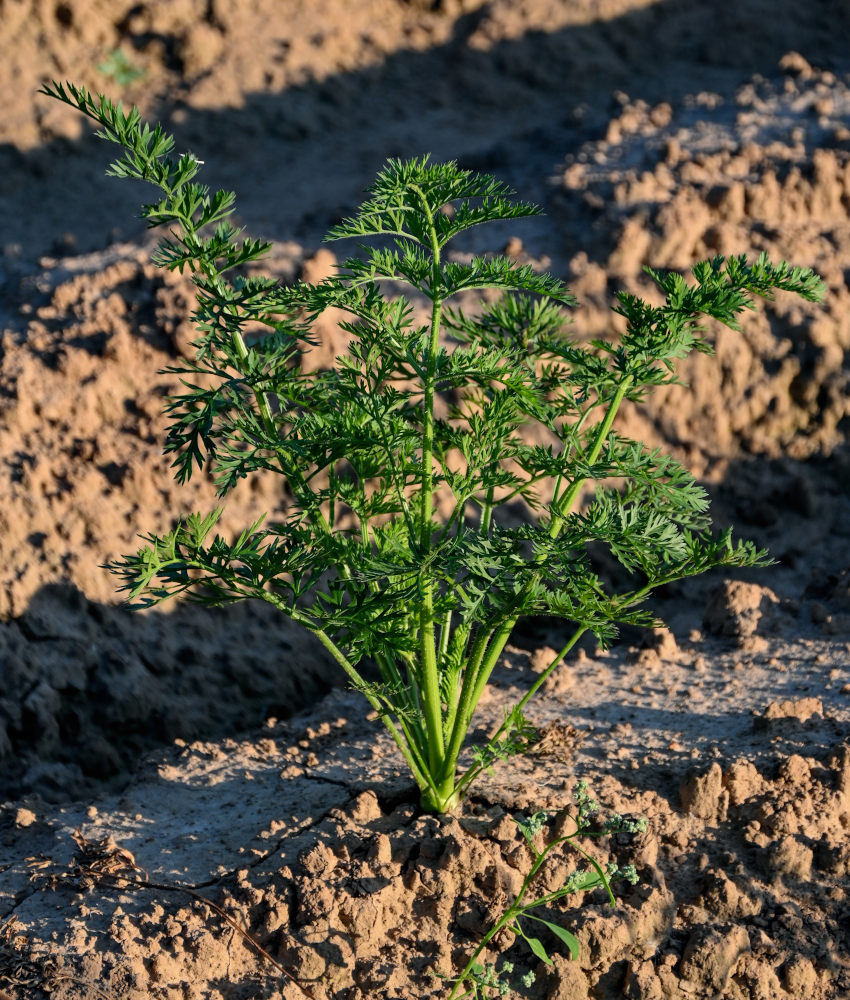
420,418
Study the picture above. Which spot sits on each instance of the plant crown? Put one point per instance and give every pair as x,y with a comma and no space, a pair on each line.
409,422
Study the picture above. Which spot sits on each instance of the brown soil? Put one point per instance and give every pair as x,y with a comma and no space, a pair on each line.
653,133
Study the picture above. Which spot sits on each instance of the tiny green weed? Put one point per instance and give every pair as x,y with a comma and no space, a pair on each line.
485,981
119,67
407,424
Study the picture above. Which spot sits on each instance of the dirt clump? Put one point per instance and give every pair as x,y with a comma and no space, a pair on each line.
737,609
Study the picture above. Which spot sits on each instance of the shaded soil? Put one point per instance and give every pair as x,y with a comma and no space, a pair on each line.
652,133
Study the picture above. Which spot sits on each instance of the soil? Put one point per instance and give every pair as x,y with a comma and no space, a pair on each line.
150,762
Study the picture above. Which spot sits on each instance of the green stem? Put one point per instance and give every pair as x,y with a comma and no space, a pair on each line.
565,503
510,914
486,513
458,644
427,630
479,672
423,779
445,632
465,704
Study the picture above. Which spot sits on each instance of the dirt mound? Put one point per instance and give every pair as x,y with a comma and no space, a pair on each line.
766,169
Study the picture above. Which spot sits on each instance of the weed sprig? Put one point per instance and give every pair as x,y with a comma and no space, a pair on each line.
482,981
362,561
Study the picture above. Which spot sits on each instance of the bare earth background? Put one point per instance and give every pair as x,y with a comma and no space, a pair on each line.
652,133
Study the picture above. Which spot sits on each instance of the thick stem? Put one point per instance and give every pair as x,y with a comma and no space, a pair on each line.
442,798
427,625
486,513
457,647
465,704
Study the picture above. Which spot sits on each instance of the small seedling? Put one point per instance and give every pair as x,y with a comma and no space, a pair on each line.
480,981
418,420
119,67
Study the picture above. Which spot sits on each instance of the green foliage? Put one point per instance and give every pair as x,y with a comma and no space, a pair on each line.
367,452
119,67
480,981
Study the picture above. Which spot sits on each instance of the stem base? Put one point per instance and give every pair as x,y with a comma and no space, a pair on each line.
446,799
